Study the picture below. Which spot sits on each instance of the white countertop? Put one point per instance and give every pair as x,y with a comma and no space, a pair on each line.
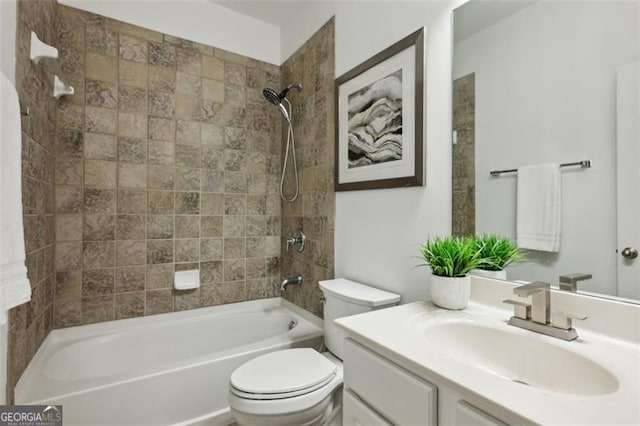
397,334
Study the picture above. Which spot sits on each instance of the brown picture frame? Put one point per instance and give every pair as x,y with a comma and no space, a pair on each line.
404,58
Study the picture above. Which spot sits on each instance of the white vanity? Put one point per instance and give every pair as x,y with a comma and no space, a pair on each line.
417,364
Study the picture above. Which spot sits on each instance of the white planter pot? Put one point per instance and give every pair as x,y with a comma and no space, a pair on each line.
498,275
450,293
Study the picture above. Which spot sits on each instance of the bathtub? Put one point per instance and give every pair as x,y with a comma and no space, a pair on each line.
163,369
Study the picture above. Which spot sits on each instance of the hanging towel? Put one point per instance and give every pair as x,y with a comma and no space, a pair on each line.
15,288
539,209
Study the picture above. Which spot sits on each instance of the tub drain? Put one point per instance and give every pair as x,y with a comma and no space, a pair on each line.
292,324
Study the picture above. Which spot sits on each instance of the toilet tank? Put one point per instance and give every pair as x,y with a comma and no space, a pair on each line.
344,298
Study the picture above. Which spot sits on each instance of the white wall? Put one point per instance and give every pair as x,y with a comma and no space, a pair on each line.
377,232
7,67
196,20
545,92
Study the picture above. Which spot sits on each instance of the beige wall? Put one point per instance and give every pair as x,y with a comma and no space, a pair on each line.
31,322
166,158
163,163
314,209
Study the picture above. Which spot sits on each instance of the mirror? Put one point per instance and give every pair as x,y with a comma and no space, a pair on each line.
552,82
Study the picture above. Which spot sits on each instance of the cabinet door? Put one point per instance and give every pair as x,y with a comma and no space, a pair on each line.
357,413
468,415
392,391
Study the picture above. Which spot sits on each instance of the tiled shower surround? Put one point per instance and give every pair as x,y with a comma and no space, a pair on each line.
164,163
30,323
166,158
464,183
314,209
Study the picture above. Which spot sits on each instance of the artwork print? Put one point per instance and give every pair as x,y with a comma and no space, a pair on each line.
379,120
375,122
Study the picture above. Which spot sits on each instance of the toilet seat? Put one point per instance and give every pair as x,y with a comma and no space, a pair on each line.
277,411
282,374
284,395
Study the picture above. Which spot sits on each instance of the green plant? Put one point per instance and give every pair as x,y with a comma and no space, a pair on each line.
451,256
497,251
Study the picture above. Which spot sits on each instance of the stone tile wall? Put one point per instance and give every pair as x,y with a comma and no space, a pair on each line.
167,159
463,157
30,323
314,129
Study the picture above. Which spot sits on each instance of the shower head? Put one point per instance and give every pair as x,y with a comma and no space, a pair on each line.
272,96
277,98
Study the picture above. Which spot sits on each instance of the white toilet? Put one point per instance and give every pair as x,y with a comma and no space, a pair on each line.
298,386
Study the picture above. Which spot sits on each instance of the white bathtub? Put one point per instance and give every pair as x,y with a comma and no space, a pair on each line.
164,369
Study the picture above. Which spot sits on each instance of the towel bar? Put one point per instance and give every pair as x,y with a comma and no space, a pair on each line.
585,164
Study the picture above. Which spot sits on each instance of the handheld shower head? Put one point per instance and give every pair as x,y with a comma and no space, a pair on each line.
272,96
277,98
285,113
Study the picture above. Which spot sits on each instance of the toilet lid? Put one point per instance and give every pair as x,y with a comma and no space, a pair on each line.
285,371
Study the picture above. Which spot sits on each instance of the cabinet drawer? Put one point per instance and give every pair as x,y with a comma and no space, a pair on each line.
468,415
398,395
357,413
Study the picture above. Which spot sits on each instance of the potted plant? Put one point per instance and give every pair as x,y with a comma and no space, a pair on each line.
451,258
497,253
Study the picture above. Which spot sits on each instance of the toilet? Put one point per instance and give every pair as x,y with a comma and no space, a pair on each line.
302,386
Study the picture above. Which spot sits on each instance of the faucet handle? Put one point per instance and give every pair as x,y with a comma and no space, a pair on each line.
527,290
521,310
562,319
569,282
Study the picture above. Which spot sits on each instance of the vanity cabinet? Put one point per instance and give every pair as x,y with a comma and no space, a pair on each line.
385,392
356,412
379,392
467,414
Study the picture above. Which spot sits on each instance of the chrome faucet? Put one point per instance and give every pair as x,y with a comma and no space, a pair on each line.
536,316
287,281
569,282
540,300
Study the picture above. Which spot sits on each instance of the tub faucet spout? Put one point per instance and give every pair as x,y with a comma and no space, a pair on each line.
287,281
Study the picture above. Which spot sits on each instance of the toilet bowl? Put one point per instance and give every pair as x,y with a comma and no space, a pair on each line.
302,386
296,387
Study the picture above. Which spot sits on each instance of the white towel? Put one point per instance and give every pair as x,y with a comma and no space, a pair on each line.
539,210
15,288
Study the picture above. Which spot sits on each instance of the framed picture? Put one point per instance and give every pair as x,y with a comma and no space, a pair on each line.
379,119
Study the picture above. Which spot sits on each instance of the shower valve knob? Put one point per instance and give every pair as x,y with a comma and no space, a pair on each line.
296,240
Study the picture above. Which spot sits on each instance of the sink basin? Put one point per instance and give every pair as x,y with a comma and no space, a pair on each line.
524,359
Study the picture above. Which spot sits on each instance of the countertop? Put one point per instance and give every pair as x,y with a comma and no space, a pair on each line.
397,334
